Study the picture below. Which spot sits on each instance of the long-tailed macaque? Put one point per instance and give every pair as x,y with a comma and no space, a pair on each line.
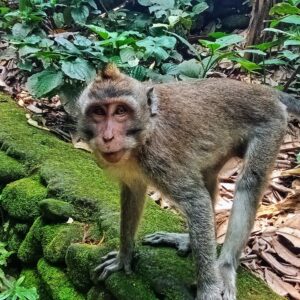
176,137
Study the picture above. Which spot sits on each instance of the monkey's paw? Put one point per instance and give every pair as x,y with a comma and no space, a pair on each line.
180,241
111,263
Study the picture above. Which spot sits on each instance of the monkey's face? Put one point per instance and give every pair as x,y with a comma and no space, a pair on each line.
115,115
109,126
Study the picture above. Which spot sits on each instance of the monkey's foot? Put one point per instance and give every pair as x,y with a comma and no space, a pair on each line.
180,241
112,263
228,274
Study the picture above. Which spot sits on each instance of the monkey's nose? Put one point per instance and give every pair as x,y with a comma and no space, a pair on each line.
107,139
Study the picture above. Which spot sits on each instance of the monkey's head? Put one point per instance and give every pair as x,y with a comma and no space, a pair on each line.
115,114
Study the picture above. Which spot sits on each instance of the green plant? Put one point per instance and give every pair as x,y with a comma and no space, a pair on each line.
9,287
214,51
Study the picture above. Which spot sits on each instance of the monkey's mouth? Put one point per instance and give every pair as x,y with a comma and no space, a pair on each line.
113,157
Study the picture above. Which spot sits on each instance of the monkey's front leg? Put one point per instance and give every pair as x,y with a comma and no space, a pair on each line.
197,205
132,203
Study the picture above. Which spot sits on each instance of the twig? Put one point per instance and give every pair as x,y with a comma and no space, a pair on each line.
288,83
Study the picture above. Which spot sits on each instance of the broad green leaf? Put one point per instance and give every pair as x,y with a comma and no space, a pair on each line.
46,43
25,65
191,68
248,65
92,3
199,8
291,43
266,46
25,50
213,46
79,69
20,31
32,39
290,55
284,9
274,61
67,45
217,34
127,54
102,32
170,69
165,41
252,51
145,2
277,31
293,19
40,84
229,40
82,41
80,14
59,19
138,73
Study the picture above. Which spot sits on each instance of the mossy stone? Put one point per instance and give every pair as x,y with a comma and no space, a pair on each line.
57,282
30,250
53,210
81,259
10,169
97,293
55,245
20,198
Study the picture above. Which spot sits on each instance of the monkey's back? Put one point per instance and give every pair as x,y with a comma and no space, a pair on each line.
212,115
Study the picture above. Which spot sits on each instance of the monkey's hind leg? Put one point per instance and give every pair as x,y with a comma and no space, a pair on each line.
180,241
260,156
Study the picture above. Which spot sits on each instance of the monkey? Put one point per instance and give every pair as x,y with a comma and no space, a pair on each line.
176,137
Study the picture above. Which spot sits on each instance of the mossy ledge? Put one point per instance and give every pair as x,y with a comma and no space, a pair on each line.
58,258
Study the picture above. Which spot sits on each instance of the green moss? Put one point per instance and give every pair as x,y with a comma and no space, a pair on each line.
96,293
55,246
53,210
30,250
10,169
32,279
20,198
251,287
22,228
129,287
57,282
81,259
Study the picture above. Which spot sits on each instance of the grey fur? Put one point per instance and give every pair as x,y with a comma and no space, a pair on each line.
195,129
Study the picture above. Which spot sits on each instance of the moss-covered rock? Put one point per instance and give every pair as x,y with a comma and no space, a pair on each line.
81,259
57,239
53,210
20,198
57,282
10,169
96,293
30,250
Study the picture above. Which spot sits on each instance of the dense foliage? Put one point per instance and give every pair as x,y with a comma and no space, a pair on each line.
61,44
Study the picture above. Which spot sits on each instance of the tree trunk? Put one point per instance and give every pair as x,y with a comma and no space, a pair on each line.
259,14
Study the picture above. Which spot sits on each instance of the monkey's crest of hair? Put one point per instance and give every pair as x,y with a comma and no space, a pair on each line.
111,71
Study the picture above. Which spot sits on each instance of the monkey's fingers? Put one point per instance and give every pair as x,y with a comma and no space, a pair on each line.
109,269
112,254
101,267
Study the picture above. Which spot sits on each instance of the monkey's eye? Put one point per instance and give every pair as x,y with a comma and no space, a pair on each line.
99,111
121,110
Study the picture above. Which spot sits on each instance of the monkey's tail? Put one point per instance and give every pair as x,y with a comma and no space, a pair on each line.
292,103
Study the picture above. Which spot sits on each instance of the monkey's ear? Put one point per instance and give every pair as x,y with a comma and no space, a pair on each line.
111,72
152,101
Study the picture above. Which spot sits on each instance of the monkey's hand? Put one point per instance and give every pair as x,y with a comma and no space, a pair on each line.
113,262
180,241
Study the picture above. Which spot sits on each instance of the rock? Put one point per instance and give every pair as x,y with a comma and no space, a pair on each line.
20,198
53,210
10,169
57,282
